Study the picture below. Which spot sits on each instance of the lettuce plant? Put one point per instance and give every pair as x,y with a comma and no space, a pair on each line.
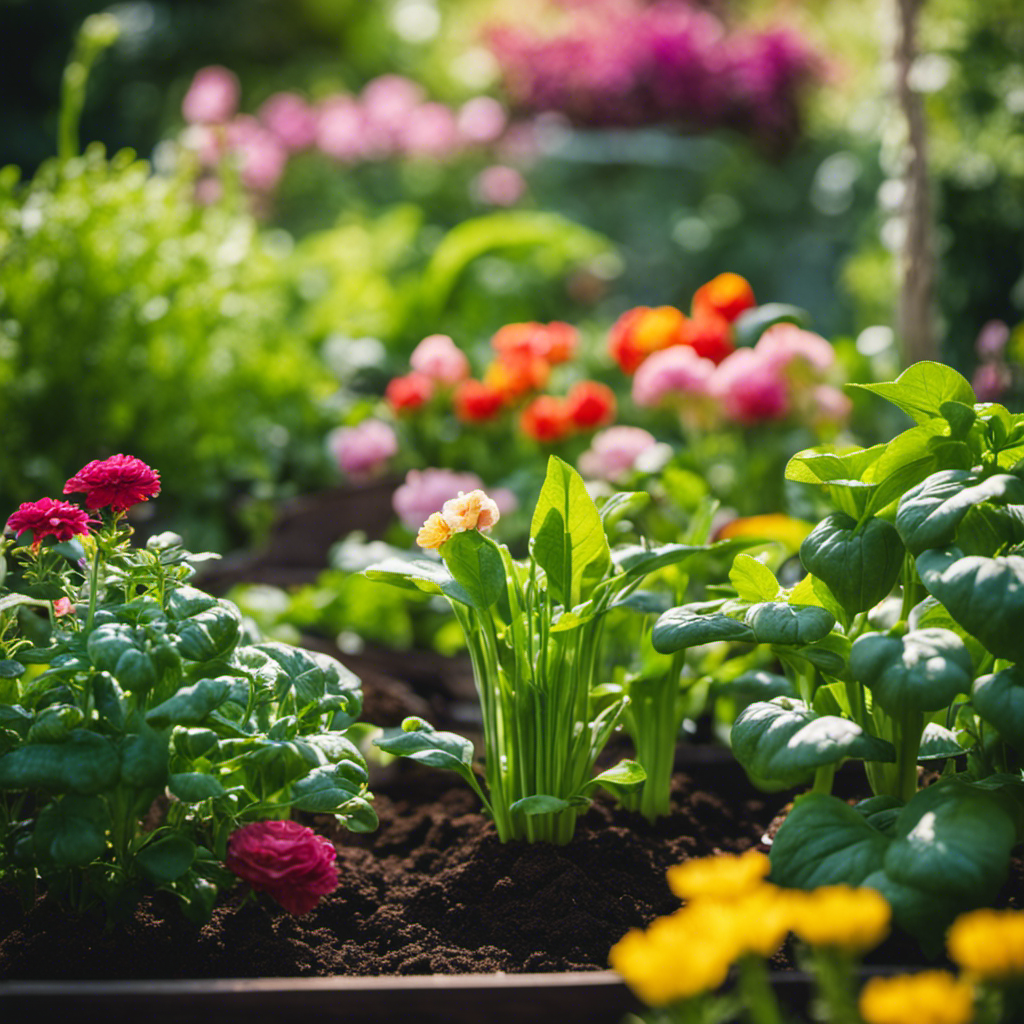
534,632
925,676
141,721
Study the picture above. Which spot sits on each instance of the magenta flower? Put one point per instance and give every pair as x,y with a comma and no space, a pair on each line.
750,388
362,452
262,161
613,453
425,491
212,98
50,518
288,861
786,344
290,119
120,482
341,129
440,359
672,374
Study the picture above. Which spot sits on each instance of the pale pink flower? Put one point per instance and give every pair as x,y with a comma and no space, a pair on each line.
212,98
472,511
290,119
499,185
388,102
63,606
613,452
673,373
341,129
430,132
262,162
991,381
362,451
830,405
426,490
784,344
481,120
750,387
440,359
241,130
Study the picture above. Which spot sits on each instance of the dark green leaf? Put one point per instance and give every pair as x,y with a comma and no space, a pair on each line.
167,858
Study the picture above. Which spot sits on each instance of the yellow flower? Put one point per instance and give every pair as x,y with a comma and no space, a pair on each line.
988,943
724,877
771,526
473,511
434,532
854,920
764,917
679,956
930,997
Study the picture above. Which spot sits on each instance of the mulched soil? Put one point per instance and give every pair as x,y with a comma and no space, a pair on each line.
433,891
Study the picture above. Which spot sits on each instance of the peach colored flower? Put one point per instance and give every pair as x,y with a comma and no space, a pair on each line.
434,532
472,511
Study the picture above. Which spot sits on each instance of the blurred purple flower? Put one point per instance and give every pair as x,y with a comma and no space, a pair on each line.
613,452
212,98
362,452
991,381
992,340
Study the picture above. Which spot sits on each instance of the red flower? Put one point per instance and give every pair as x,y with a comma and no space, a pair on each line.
590,405
286,860
514,374
554,342
120,482
477,402
546,419
728,295
641,331
49,518
710,336
408,393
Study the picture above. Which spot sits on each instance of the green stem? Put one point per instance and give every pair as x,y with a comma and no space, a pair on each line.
907,749
833,969
97,33
823,779
94,578
758,996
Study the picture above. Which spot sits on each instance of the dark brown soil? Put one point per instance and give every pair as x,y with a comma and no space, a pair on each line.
433,891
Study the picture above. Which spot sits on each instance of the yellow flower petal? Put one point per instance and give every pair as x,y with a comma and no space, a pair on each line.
930,997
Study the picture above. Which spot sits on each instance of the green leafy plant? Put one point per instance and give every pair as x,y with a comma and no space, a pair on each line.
141,724
534,632
925,676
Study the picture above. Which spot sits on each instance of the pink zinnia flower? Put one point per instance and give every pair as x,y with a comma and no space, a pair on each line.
389,101
440,359
341,130
290,119
499,185
426,490
362,451
430,131
286,860
120,482
63,606
673,373
212,98
613,452
50,518
262,162
750,387
784,344
481,120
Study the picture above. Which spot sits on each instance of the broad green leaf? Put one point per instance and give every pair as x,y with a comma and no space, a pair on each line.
680,628
753,580
475,562
775,622
960,416
621,778
421,742
831,654
84,763
859,566
920,671
420,575
191,704
824,841
72,831
999,700
822,466
585,550
144,757
783,741
10,669
930,614
192,787
939,743
325,790
922,389
167,858
636,560
984,595
755,685
930,513
553,551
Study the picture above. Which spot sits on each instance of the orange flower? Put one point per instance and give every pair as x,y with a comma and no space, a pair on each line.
554,342
477,402
434,532
728,295
590,405
641,331
546,419
516,374
709,335
408,393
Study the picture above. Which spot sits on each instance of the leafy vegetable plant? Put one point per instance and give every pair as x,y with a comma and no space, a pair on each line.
141,722
534,632
925,676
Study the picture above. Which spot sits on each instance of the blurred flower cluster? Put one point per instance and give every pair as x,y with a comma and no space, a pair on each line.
390,118
628,62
